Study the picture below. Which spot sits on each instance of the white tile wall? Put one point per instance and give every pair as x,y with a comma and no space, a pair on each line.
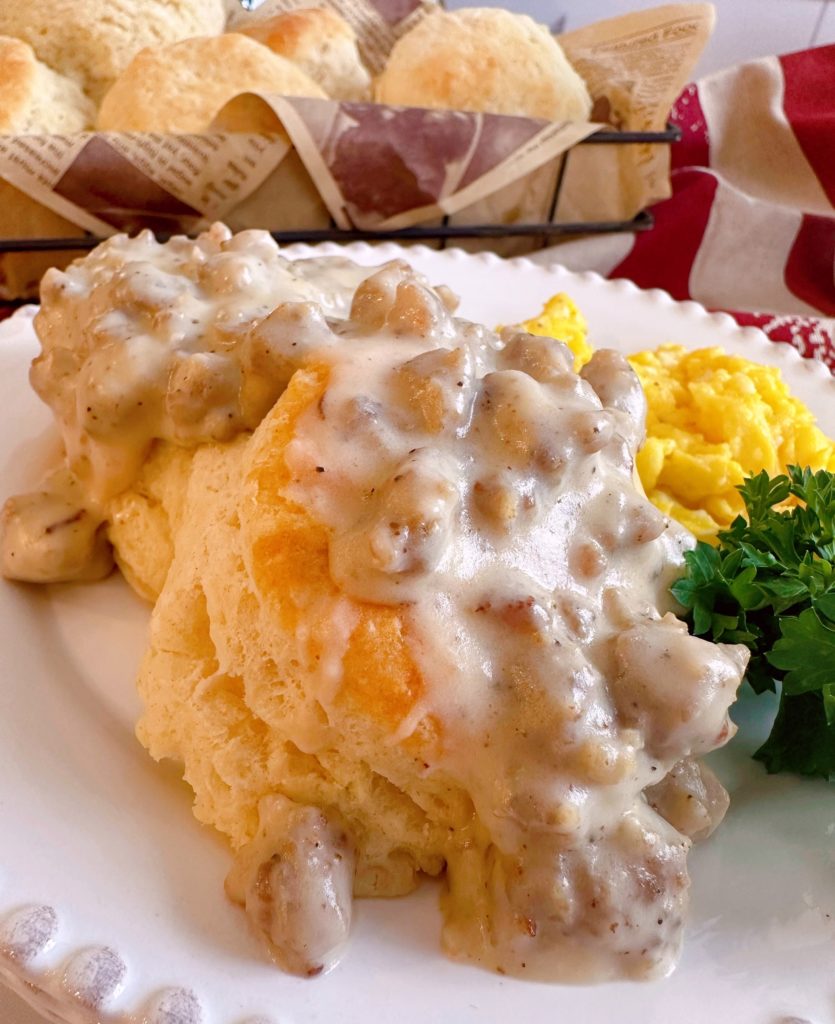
826,29
745,29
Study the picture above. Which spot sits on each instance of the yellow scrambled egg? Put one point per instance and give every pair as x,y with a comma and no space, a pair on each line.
713,419
561,319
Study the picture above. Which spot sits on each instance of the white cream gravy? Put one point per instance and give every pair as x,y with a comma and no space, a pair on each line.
144,341
482,486
476,482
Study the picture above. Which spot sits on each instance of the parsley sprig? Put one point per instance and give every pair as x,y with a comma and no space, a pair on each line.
770,584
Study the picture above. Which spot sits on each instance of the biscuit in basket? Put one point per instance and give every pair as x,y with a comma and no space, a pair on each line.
483,59
92,41
34,98
23,217
180,88
321,43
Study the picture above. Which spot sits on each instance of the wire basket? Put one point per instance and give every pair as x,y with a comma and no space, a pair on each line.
442,233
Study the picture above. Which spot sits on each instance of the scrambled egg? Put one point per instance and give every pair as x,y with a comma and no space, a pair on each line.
561,319
713,419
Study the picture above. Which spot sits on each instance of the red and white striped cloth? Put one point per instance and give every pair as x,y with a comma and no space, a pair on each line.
750,227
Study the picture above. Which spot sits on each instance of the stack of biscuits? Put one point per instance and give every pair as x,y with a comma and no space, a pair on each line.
172,65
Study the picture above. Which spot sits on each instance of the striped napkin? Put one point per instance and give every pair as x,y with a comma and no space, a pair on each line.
750,227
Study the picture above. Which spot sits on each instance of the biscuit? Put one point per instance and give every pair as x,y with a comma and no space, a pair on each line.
23,217
34,98
417,615
483,59
301,671
143,520
318,41
168,89
238,747
92,42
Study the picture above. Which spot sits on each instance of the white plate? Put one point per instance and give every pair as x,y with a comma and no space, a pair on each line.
98,848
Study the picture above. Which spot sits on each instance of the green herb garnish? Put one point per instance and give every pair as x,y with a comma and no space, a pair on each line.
770,584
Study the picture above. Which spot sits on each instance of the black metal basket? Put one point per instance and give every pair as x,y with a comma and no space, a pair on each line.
440,233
